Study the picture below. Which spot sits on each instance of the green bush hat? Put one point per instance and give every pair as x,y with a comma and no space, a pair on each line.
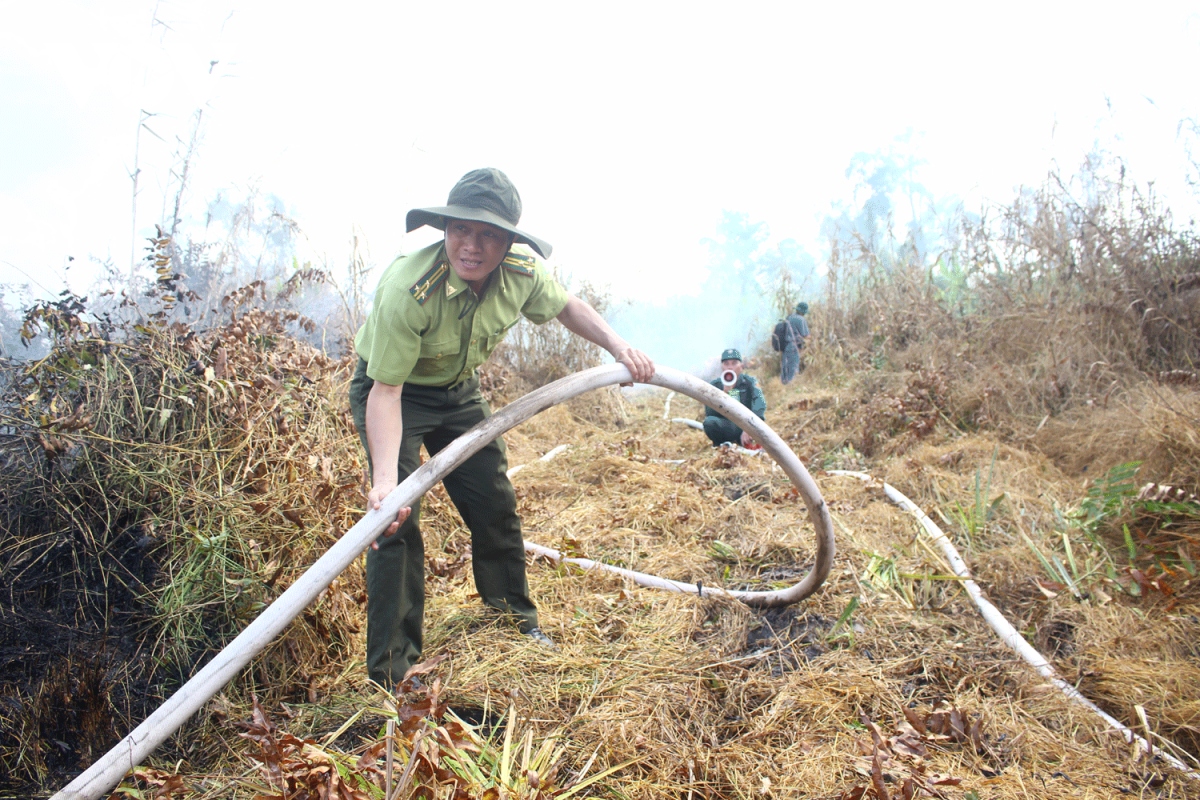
801,308
482,195
731,353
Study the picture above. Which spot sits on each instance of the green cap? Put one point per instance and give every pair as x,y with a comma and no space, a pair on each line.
801,308
731,353
482,195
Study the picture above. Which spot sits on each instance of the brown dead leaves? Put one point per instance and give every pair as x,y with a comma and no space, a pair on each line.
912,414
900,760
160,784
296,769
436,755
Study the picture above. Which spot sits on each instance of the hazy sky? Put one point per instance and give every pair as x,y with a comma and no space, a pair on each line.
628,127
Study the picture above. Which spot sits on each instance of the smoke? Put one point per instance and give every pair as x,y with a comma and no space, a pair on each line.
892,215
748,283
10,326
745,286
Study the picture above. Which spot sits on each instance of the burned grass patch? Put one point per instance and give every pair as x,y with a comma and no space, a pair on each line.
787,637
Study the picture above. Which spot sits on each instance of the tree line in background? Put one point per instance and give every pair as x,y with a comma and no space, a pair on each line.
892,224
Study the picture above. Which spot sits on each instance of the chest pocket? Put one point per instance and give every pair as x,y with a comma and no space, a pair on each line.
440,348
496,337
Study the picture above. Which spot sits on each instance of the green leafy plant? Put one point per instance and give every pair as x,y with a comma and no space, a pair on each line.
844,620
719,551
1074,574
1106,498
1087,562
973,519
882,573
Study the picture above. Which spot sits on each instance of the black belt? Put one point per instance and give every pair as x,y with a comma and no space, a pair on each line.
461,388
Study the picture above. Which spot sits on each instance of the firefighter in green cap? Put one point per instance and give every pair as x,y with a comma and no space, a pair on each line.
438,313
740,387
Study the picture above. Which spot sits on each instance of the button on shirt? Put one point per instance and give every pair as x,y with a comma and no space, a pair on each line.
429,328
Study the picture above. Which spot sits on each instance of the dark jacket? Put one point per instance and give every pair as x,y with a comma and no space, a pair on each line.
747,392
799,328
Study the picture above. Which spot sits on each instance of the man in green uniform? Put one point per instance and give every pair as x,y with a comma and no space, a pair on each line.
438,313
742,388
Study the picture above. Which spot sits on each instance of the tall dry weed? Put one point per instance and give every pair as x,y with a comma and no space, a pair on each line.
1043,313
533,355
162,485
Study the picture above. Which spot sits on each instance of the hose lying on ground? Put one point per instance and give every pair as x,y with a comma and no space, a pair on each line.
547,457
990,613
691,423
106,772
1004,628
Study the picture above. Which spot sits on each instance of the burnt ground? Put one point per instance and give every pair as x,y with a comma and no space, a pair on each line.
787,637
74,664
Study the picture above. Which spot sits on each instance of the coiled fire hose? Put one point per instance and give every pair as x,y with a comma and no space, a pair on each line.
987,610
107,771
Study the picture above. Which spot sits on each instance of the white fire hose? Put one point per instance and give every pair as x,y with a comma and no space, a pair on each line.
1005,630
103,775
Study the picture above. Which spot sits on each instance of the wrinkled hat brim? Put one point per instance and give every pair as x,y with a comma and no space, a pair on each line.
436,218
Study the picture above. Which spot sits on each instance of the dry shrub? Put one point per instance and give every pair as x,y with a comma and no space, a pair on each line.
162,486
1157,425
1110,252
912,413
1126,659
1051,316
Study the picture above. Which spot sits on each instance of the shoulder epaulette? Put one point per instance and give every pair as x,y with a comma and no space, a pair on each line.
520,264
430,281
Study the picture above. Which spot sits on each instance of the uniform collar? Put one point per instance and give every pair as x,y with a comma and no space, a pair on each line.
456,286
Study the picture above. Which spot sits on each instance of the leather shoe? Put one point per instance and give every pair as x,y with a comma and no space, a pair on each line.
412,683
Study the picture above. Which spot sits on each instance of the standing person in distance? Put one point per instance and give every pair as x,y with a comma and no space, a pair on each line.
437,315
788,339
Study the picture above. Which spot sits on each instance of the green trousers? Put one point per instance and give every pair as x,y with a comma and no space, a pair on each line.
483,495
721,430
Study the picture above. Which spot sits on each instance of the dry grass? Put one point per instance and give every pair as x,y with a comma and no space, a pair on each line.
1158,425
722,701
1003,404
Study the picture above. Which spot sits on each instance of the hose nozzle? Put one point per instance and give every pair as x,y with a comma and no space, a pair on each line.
728,378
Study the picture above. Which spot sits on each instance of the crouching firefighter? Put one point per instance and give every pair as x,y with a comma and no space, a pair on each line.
742,388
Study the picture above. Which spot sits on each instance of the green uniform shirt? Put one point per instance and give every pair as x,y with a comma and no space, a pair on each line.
428,327
745,391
